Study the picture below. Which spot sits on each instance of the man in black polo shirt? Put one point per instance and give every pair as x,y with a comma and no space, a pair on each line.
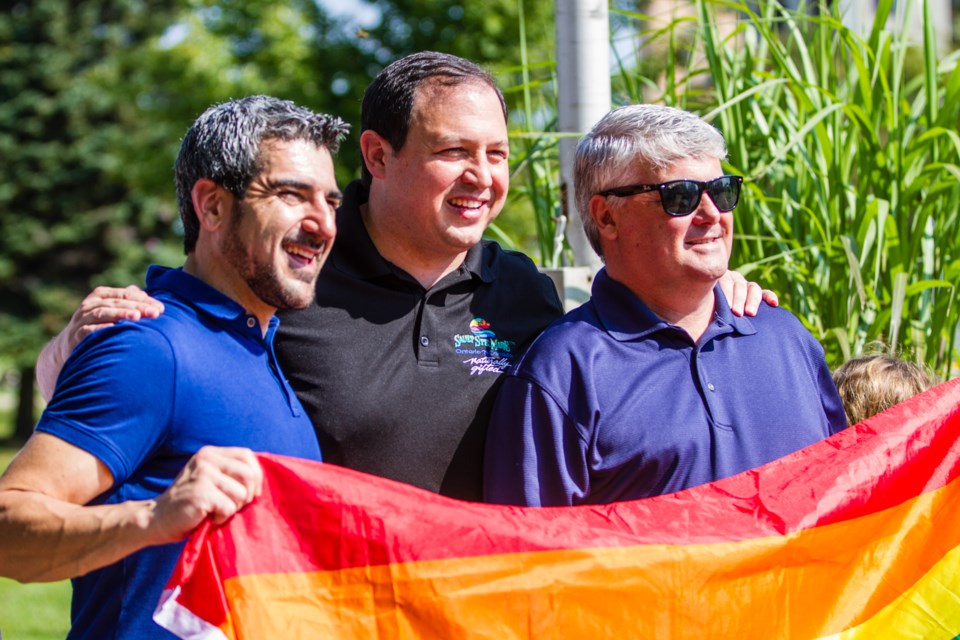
416,317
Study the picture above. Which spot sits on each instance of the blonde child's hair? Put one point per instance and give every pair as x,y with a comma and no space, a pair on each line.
873,383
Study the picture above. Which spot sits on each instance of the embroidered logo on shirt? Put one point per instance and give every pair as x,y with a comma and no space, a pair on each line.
487,353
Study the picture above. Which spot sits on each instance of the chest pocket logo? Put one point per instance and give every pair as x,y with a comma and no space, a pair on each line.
483,352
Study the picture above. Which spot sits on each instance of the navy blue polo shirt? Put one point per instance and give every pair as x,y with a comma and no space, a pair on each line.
145,396
611,403
399,380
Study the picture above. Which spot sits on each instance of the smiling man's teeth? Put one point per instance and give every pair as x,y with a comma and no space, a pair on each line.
303,253
466,204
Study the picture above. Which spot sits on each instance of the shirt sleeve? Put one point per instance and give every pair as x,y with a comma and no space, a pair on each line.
114,397
534,455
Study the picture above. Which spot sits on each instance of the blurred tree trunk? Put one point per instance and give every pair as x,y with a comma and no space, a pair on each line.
25,418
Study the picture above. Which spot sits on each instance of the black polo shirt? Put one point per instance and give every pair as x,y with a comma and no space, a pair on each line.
399,380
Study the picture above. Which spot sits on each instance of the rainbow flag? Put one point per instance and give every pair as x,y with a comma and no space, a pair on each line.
857,536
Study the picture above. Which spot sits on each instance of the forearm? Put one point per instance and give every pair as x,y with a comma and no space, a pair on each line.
49,363
43,539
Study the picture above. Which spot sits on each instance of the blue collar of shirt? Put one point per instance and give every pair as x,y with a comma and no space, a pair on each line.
202,296
625,317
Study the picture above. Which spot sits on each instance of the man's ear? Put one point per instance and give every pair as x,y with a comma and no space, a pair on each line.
374,149
210,201
603,217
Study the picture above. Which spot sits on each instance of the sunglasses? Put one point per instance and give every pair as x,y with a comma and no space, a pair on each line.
682,197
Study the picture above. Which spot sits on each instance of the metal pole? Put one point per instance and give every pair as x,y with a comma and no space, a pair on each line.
583,79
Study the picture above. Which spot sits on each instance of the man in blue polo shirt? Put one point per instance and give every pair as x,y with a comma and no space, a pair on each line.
121,466
654,385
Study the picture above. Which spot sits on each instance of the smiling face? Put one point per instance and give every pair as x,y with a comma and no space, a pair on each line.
432,200
280,234
658,255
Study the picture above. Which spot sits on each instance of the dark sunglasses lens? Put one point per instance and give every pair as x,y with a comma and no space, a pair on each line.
725,193
680,198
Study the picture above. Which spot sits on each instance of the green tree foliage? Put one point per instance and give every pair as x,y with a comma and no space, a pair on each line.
486,32
68,213
291,50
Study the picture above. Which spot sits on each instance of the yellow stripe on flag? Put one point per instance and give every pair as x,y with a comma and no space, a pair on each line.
930,609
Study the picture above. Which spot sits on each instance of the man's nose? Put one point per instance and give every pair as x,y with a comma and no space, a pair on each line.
478,172
706,212
322,220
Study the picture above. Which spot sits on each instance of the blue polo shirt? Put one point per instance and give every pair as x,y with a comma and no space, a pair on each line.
611,403
145,396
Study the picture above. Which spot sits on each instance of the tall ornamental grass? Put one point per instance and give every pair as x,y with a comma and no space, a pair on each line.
849,146
535,184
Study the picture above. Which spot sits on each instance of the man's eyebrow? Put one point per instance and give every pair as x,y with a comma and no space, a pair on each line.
290,183
456,140
300,185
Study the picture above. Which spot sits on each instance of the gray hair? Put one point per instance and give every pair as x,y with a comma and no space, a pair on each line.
223,145
648,135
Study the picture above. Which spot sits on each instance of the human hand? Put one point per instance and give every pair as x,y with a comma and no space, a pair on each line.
216,483
744,297
103,307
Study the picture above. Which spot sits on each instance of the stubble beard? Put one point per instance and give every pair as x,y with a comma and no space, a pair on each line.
281,292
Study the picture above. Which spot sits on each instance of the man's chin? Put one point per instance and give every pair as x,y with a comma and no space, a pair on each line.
303,304
465,238
299,296
294,301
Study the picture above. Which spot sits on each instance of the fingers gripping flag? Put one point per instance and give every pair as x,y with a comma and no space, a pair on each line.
857,536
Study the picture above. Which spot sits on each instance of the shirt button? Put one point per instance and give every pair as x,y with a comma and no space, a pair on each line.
251,322
424,341
711,387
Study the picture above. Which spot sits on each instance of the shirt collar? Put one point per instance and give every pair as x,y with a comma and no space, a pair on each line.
201,295
353,250
625,317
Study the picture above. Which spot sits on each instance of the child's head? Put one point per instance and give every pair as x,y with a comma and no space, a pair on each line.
870,384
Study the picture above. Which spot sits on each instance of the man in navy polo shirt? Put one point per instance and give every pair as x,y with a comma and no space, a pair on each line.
654,385
121,467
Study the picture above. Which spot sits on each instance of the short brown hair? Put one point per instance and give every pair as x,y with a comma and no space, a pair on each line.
388,102
873,383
